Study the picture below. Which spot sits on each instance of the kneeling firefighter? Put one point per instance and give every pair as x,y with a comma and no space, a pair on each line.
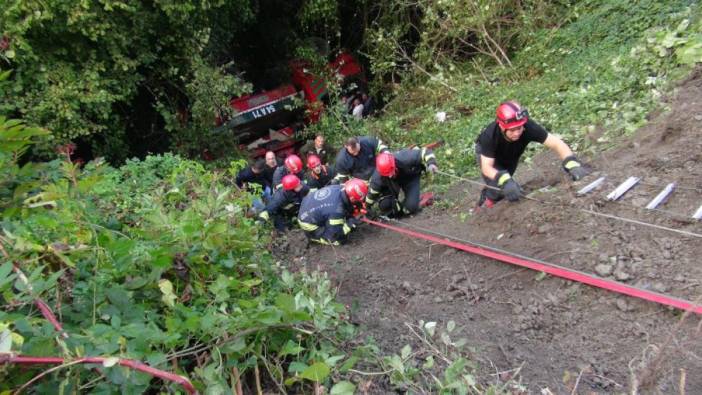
329,214
285,202
399,172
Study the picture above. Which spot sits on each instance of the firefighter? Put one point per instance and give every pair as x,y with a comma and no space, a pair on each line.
318,147
395,172
357,158
500,145
285,202
329,214
318,175
292,165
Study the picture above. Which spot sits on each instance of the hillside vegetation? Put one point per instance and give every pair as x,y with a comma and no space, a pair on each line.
154,260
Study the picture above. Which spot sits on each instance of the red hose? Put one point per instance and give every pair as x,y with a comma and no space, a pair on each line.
129,363
553,270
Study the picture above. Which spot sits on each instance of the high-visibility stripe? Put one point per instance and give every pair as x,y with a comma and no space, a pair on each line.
427,155
381,146
264,215
347,229
337,221
306,226
571,164
503,179
326,242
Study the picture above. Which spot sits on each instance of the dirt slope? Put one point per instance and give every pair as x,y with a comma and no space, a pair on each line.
553,328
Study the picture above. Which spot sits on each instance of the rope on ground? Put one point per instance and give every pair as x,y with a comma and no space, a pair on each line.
587,211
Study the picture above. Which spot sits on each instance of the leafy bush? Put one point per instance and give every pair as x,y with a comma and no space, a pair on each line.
608,85
155,261
79,67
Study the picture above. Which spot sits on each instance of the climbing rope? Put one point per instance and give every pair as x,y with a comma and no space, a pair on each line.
587,211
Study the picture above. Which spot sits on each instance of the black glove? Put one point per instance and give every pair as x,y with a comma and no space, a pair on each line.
353,222
511,190
509,187
573,166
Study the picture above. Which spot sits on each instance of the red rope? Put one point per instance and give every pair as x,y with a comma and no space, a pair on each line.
129,363
43,307
553,270
51,317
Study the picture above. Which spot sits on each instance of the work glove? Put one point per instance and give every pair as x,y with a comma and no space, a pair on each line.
509,187
353,222
372,211
573,166
432,168
262,218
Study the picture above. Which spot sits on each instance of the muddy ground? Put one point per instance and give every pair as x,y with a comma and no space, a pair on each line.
557,331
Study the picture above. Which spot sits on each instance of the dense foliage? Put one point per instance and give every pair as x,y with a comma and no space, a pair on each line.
588,94
79,68
155,260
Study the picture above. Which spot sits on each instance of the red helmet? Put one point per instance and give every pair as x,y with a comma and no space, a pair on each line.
290,182
356,189
385,164
293,163
313,161
511,115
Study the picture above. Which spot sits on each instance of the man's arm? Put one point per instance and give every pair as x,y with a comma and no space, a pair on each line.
374,188
557,145
571,164
487,166
274,206
343,169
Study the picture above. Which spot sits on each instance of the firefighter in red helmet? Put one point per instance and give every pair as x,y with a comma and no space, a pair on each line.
500,145
329,214
291,165
318,174
399,172
285,202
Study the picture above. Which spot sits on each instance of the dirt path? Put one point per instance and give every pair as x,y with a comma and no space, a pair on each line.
556,330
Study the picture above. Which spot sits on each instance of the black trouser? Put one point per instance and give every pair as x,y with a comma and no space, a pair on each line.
411,188
282,221
489,193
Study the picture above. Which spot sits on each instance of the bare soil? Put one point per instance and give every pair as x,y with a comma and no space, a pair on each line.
559,332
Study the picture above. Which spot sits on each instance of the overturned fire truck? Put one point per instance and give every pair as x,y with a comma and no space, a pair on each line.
272,120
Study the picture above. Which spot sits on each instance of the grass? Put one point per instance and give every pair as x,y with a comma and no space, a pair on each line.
600,74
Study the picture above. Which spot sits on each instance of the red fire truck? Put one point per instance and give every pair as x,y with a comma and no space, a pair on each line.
271,120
